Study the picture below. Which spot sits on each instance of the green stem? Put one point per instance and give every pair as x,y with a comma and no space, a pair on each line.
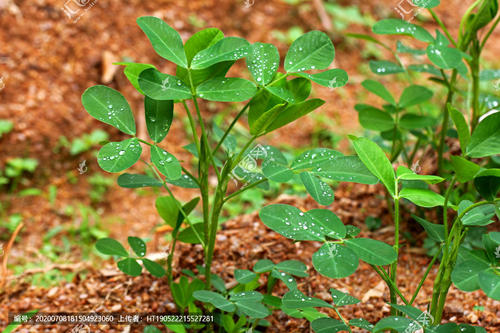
214,224
489,32
441,24
394,265
193,127
446,119
342,318
234,194
177,203
474,67
235,120
208,151
427,271
390,284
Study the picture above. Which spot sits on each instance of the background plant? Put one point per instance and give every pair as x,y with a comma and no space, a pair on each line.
202,63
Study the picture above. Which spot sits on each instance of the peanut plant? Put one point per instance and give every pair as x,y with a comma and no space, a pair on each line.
469,179
272,101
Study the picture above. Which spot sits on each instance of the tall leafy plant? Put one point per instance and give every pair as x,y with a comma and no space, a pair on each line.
272,101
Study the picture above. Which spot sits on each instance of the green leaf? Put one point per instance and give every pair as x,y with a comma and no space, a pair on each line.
281,93
132,71
223,89
130,267
485,140
400,324
434,231
462,127
379,89
132,180
320,191
313,50
166,163
152,267
294,299
465,275
335,261
425,68
226,49
372,251
162,87
293,267
375,120
189,236
260,125
412,121
263,62
487,183
215,299
277,172
314,158
185,181
137,245
422,197
414,95
253,309
263,265
200,41
167,209
328,325
361,323
159,115
118,156
196,43
478,216
402,48
329,223
332,78
244,276
290,222
426,3
376,161
489,74
341,299
404,173
489,281
153,329
384,67
400,27
465,170
166,40
294,112
111,247
110,107
347,169
444,57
